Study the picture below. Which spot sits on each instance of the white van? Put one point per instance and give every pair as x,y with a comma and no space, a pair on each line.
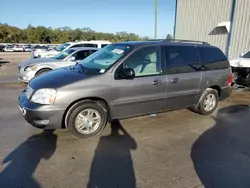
65,46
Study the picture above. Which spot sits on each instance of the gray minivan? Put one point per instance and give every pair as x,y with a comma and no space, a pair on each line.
125,80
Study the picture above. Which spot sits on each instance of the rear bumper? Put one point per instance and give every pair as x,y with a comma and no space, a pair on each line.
41,116
225,92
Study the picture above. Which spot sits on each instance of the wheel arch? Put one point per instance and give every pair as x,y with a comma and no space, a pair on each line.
100,101
43,68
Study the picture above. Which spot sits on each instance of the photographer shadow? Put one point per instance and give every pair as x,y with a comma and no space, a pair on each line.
112,165
23,161
221,155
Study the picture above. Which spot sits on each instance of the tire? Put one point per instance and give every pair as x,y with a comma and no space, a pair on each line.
80,108
42,71
202,108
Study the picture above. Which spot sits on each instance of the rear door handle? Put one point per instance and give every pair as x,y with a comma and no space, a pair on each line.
157,82
175,80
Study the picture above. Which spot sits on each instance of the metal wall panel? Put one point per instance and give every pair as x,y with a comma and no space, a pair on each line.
240,41
197,18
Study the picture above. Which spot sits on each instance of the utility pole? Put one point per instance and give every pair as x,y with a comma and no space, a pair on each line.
156,14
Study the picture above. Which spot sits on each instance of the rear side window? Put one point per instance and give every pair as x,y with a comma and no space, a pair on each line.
85,45
181,59
103,45
212,59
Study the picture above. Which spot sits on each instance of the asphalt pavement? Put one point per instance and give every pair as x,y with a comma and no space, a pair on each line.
178,149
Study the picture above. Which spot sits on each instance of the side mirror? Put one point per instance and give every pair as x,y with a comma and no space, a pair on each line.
71,58
126,73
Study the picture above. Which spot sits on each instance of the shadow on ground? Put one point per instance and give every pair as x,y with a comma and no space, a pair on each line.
221,156
112,165
23,161
3,62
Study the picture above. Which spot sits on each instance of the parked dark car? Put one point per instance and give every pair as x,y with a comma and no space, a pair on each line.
2,48
125,80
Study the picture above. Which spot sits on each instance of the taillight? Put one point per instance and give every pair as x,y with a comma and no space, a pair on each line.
230,80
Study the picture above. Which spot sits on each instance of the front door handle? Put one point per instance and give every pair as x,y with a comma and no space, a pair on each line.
175,80
157,82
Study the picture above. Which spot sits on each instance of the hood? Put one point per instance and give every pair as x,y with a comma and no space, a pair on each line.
58,78
36,61
240,62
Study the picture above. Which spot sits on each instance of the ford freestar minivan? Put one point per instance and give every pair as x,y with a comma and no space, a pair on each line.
125,80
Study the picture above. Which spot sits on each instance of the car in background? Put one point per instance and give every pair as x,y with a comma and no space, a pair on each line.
27,48
34,67
241,69
8,48
68,45
128,79
2,48
36,50
17,48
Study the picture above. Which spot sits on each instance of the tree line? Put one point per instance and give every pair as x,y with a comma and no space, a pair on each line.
47,35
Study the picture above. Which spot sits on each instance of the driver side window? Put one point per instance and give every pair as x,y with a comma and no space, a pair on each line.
144,62
80,55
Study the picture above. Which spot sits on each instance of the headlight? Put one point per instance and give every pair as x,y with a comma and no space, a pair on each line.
44,96
30,68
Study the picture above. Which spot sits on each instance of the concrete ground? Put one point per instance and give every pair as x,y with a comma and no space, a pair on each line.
178,149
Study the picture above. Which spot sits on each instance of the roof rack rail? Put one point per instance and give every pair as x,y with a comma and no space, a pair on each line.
179,40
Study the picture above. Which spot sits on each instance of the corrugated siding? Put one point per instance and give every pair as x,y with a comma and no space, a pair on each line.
240,41
197,18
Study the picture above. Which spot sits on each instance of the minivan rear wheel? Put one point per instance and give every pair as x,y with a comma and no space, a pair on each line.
86,120
208,102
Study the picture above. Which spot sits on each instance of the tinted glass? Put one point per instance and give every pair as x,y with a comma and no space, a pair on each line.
181,59
85,45
64,54
80,55
62,47
247,55
103,45
144,62
91,45
212,59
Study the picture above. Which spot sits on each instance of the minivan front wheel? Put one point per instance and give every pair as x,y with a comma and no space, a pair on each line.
208,102
86,120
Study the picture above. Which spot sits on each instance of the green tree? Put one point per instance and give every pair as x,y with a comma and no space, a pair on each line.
169,36
41,34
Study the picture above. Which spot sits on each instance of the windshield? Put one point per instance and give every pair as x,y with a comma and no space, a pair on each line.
106,57
247,55
63,54
62,47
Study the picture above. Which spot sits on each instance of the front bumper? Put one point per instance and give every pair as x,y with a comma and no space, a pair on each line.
25,76
41,116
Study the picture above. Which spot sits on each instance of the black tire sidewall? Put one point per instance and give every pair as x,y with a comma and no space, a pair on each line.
201,106
72,114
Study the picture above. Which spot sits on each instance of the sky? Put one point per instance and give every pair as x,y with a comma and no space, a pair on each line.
135,16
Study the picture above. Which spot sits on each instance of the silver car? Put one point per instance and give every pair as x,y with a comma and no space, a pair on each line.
34,67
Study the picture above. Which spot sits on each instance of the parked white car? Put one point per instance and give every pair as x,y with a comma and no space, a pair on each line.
17,48
8,48
68,45
36,50
241,69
